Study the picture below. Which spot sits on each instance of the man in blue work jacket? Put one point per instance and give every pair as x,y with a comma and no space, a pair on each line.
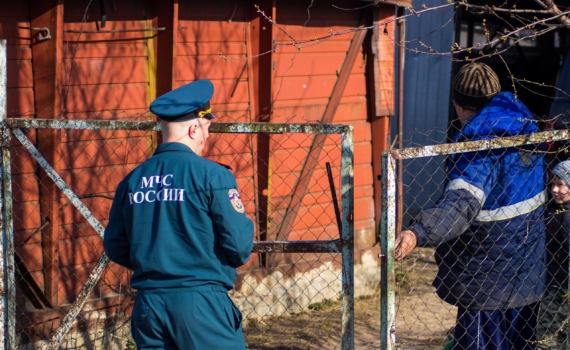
488,226
178,222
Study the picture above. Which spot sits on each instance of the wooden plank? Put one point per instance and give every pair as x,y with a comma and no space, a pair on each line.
80,251
260,82
90,71
165,15
382,60
200,30
95,180
22,161
88,98
104,50
26,216
351,109
310,64
20,102
213,67
19,74
307,172
99,153
47,56
299,88
205,49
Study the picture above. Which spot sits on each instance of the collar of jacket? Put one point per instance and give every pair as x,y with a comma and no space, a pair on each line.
504,116
172,146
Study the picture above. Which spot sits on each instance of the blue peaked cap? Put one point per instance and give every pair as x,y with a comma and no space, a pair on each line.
186,102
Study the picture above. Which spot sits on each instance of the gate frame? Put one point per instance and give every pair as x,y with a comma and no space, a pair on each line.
388,219
343,245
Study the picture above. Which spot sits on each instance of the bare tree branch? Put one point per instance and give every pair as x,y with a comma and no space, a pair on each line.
551,7
493,9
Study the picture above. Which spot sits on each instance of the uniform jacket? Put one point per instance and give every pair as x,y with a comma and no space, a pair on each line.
488,226
177,221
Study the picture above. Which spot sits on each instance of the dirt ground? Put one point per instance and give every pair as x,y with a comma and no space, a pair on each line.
422,319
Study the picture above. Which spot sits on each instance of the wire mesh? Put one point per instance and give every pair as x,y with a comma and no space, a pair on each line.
57,248
491,227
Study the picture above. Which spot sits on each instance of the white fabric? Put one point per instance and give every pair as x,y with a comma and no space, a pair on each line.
510,211
460,184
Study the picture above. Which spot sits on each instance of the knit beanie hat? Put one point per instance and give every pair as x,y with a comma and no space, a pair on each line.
475,85
562,171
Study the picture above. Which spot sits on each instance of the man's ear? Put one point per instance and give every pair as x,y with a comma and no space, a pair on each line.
192,131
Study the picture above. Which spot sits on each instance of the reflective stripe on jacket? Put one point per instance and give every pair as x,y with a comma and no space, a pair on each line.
488,226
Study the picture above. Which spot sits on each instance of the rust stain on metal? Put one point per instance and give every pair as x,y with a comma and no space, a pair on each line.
8,244
388,236
298,247
481,145
248,128
347,237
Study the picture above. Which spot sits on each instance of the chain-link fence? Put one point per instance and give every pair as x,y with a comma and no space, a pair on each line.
59,180
490,235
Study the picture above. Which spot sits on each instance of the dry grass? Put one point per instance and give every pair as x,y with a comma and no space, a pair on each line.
422,319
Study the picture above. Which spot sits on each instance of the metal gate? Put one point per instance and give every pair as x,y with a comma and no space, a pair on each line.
412,315
15,133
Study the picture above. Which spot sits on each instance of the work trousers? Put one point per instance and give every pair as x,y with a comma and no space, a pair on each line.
186,319
511,329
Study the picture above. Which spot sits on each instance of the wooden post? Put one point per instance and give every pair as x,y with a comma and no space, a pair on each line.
165,14
259,40
46,61
380,74
319,140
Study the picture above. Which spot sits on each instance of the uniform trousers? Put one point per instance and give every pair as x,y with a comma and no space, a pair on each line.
511,329
186,319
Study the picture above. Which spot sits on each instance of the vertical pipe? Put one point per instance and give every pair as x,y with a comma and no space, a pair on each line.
7,219
388,234
3,294
401,56
347,238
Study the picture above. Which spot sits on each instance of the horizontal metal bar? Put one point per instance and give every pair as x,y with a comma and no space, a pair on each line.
298,247
115,30
488,144
274,128
25,123
268,128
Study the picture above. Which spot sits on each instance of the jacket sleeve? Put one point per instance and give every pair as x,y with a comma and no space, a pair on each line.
234,228
471,179
116,241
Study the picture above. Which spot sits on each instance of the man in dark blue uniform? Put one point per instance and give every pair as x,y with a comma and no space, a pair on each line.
178,222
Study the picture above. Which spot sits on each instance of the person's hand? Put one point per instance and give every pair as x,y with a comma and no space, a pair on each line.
405,243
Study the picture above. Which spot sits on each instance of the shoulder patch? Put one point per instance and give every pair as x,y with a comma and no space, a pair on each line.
235,200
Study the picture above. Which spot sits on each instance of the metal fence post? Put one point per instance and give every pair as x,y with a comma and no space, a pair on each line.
3,294
7,274
387,265
8,236
347,237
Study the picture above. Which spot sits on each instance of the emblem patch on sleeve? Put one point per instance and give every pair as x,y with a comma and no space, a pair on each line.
235,199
